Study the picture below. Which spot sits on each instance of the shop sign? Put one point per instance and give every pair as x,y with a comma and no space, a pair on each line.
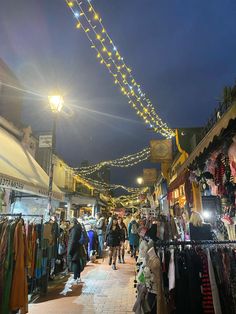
9,183
161,150
149,176
45,141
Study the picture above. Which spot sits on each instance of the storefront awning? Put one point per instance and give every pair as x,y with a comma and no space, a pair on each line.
19,170
88,201
208,139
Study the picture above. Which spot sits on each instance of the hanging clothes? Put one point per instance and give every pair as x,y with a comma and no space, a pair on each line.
197,280
19,291
9,263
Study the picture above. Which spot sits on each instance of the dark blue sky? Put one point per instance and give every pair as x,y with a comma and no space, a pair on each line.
182,53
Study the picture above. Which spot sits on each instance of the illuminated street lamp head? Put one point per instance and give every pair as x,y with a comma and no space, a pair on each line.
140,180
56,103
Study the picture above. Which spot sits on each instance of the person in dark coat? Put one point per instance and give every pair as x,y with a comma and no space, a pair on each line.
113,239
75,250
124,236
198,229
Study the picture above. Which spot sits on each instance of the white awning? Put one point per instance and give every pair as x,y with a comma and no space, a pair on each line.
85,200
20,171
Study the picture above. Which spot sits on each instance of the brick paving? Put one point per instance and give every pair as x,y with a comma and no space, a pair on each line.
102,290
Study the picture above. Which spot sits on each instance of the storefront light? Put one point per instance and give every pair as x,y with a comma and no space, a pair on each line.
206,214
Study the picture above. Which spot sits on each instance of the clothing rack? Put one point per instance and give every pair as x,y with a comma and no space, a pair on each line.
21,215
183,243
11,215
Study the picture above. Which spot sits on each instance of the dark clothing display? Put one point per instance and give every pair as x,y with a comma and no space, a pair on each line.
191,279
207,300
188,298
200,233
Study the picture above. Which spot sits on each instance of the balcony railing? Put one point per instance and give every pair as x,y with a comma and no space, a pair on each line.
216,116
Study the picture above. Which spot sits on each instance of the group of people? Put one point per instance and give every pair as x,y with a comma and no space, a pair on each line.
117,234
88,242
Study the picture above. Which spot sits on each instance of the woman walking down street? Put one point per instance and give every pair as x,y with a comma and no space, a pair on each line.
133,235
113,239
123,237
75,250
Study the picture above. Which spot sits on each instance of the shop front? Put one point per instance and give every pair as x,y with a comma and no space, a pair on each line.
212,167
22,179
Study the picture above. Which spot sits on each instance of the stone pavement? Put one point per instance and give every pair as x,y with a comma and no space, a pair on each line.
102,290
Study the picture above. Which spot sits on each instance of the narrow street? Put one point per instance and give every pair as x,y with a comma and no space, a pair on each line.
102,290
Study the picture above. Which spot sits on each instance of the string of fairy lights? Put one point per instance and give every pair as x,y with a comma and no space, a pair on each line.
123,162
107,53
105,186
127,200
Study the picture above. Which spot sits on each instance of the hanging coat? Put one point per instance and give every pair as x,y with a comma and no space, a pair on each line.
19,290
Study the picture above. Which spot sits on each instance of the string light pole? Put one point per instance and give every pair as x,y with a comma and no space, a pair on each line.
56,104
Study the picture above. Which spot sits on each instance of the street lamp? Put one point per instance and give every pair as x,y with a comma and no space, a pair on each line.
56,104
140,180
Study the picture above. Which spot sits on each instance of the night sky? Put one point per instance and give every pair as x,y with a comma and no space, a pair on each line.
181,52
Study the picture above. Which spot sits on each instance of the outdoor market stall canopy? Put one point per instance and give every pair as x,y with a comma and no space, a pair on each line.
19,170
88,201
222,124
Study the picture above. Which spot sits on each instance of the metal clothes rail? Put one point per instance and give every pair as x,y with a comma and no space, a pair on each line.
21,215
183,243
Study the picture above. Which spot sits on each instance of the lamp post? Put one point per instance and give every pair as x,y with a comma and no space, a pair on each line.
56,104
140,180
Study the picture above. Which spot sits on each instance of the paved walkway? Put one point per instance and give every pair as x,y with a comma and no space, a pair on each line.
103,290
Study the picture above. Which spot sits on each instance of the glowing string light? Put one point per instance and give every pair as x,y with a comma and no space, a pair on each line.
122,162
157,124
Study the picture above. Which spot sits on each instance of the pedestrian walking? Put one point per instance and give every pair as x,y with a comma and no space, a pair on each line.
84,240
75,253
101,231
113,239
123,238
133,235
92,245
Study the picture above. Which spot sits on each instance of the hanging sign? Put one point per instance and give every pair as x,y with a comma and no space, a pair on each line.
161,150
149,176
45,141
